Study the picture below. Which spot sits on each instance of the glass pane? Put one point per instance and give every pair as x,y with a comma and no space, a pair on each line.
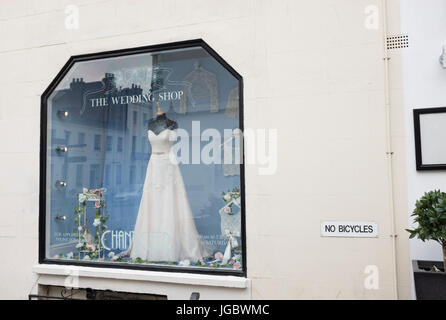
433,135
143,162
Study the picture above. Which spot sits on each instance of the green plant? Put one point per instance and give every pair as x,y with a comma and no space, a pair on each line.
430,214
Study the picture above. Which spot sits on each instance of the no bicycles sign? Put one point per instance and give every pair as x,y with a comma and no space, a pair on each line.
349,229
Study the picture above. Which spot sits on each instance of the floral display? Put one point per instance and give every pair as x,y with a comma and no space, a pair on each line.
90,247
231,198
211,262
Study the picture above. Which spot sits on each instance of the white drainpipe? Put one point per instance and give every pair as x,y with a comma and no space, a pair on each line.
389,146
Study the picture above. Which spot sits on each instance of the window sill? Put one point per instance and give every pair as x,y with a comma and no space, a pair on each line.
141,275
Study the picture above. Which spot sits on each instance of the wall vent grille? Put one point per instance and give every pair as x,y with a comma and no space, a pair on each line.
397,41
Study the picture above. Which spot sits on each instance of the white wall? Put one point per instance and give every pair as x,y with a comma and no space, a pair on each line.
311,69
424,87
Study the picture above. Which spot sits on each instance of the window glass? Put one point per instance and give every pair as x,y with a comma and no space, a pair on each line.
81,138
79,174
109,143
155,177
97,142
119,147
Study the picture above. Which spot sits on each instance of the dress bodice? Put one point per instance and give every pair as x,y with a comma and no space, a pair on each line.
161,143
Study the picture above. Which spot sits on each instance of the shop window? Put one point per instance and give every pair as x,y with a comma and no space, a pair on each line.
135,117
81,138
118,174
143,144
109,143
132,174
79,175
119,147
97,142
164,196
133,144
107,174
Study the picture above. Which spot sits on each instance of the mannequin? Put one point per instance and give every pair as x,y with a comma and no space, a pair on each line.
165,228
161,122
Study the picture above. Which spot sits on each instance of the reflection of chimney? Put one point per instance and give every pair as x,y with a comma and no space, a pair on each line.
77,83
109,81
109,77
135,89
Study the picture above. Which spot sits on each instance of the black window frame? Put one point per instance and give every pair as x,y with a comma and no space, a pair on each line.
417,135
43,160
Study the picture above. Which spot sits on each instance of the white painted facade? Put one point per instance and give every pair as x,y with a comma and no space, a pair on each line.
424,87
313,70
424,83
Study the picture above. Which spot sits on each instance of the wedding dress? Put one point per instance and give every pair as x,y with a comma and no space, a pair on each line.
165,228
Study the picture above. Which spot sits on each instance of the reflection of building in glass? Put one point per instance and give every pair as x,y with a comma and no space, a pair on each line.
107,146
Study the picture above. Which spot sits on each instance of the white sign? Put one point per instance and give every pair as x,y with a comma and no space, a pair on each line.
349,229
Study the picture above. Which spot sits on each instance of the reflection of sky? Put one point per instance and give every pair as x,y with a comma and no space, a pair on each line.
137,70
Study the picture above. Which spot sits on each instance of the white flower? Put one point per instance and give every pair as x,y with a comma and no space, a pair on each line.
184,263
84,190
111,254
79,245
218,256
87,257
90,247
82,197
79,228
69,255
227,209
115,257
96,222
227,197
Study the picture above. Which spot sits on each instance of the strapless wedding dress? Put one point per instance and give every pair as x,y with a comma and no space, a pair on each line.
165,229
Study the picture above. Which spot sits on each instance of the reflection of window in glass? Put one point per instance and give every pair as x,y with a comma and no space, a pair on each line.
135,115
143,144
133,144
97,142
109,143
119,147
132,174
64,169
81,138
67,136
118,174
144,120
79,174
94,175
107,174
